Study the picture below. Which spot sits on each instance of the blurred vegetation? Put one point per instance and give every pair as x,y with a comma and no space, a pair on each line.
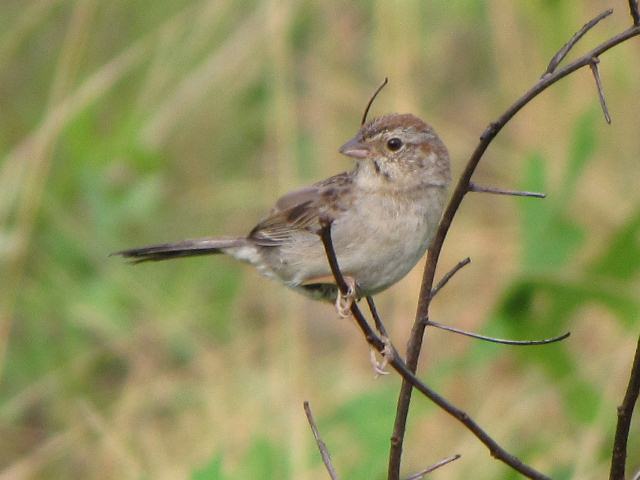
129,122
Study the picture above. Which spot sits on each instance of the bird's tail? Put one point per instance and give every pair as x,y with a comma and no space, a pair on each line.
185,248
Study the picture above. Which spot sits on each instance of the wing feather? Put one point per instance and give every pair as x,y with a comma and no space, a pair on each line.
299,211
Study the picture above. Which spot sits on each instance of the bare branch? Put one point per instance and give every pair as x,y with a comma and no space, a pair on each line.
633,9
327,241
370,102
503,341
625,412
473,187
558,57
325,235
603,102
435,466
409,377
324,452
494,448
414,345
449,275
376,318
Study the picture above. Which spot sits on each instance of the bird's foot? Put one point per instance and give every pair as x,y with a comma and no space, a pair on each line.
387,355
344,301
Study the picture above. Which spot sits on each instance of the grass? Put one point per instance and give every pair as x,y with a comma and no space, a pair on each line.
132,122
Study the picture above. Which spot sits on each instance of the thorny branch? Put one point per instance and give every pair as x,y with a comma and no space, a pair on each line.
384,347
551,76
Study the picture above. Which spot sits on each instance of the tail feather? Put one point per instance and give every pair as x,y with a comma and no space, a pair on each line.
185,248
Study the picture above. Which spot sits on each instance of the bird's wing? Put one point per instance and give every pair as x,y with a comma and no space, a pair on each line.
301,210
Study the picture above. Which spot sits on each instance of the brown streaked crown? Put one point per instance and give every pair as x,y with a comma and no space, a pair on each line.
393,121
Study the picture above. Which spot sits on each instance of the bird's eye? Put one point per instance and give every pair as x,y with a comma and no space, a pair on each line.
394,144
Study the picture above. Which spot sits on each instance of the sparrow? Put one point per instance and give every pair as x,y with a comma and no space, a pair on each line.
383,214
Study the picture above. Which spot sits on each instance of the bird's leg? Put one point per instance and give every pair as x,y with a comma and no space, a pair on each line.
344,301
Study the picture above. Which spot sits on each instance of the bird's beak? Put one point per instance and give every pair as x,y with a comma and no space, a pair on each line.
355,148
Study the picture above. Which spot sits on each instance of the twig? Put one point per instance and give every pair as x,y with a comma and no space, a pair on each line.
324,451
494,448
325,235
503,341
633,9
414,346
449,275
625,412
435,466
373,97
376,318
558,57
603,102
409,377
473,187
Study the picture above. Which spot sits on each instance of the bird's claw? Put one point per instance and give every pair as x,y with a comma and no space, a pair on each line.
387,355
344,301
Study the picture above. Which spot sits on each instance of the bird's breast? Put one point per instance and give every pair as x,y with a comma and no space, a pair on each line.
384,235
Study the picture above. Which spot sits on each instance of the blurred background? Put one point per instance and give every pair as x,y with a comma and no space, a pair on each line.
132,122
